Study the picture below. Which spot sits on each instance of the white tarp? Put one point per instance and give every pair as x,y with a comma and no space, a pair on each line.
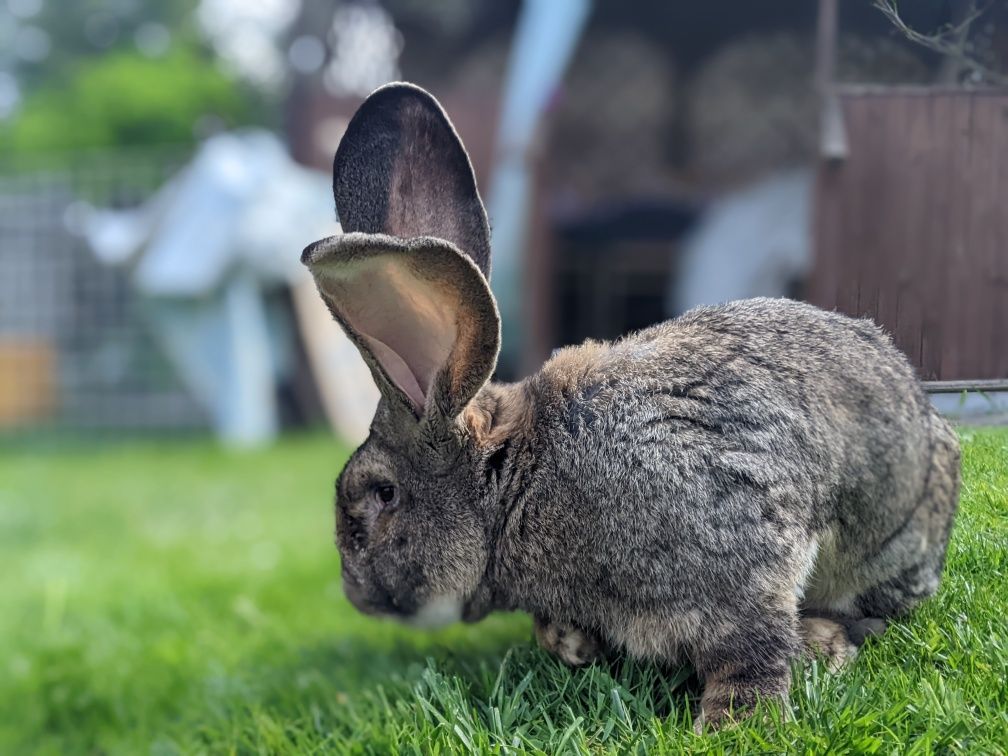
204,249
751,242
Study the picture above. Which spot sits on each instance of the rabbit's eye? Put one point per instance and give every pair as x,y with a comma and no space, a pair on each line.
385,494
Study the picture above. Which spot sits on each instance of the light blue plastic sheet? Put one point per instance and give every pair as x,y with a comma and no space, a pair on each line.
545,40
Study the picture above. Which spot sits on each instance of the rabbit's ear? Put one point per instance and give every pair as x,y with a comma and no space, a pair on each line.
401,170
418,309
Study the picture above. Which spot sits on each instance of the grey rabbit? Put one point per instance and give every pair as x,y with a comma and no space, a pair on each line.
734,488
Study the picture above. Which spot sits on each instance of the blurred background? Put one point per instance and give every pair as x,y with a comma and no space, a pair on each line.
162,164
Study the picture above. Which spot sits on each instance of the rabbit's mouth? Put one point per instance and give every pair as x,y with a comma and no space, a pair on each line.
372,600
434,612
364,600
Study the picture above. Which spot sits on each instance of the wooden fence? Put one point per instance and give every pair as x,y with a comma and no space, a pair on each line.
911,225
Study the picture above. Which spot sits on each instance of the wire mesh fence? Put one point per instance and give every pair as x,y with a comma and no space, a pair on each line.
76,352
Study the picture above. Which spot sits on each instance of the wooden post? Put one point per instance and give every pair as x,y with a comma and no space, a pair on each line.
826,44
832,136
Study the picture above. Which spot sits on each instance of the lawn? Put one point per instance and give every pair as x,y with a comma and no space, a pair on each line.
178,598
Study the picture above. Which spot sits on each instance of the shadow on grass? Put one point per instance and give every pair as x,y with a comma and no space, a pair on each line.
497,686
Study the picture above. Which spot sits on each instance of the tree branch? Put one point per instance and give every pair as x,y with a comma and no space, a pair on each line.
951,40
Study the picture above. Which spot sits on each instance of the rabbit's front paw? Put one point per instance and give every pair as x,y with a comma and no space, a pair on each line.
731,695
571,645
748,667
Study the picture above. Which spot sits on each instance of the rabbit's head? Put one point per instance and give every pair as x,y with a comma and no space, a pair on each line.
408,281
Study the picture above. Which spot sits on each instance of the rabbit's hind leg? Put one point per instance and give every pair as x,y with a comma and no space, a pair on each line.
911,561
569,644
837,638
827,638
905,565
898,595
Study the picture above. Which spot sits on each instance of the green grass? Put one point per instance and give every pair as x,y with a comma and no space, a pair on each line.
183,599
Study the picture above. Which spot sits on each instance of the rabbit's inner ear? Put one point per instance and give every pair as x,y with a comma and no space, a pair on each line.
420,312
405,322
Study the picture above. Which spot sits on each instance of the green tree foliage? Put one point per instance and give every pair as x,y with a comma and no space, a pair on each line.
126,99
98,86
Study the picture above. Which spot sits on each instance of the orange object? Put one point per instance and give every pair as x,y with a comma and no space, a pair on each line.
27,381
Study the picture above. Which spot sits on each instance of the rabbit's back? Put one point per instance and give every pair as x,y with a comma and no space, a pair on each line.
818,398
734,441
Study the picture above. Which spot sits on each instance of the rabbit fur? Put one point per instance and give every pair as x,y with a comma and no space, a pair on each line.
734,488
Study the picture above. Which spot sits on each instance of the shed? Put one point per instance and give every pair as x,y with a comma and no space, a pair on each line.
909,224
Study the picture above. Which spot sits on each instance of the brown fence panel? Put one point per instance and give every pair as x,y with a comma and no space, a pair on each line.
911,226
